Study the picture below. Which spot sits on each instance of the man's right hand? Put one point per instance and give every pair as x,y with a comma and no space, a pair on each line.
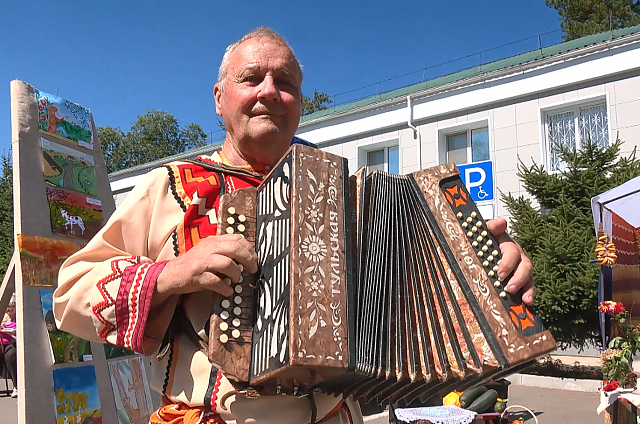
212,264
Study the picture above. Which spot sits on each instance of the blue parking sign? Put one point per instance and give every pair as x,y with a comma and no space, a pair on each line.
478,178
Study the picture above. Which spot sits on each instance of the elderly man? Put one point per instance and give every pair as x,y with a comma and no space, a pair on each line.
159,252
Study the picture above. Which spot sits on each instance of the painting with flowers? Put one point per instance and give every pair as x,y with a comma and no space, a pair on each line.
617,359
64,119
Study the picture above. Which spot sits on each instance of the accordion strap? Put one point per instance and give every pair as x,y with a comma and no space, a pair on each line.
226,169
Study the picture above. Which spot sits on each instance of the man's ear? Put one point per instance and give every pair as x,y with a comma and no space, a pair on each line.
217,93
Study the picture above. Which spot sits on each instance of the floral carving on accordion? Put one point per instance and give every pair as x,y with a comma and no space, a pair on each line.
316,199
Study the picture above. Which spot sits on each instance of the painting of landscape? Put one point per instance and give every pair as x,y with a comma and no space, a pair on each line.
41,258
76,395
73,214
68,168
131,391
64,119
65,347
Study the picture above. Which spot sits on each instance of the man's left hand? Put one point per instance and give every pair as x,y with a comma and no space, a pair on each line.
515,262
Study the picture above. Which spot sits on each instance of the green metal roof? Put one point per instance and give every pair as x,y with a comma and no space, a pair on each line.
508,62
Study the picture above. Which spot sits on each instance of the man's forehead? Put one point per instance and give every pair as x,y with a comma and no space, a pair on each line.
255,53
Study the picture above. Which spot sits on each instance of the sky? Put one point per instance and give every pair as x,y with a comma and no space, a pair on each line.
120,58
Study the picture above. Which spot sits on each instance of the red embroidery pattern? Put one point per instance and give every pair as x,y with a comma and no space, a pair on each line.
108,301
134,304
214,394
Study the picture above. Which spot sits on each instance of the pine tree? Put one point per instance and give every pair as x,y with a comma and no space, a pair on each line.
559,236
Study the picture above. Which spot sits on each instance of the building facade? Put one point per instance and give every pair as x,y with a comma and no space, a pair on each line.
486,119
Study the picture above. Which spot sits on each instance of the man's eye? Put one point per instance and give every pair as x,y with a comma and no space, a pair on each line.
253,79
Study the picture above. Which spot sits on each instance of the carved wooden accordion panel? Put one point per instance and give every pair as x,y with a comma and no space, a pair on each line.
384,286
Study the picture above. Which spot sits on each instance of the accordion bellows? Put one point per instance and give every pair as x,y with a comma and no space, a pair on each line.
379,286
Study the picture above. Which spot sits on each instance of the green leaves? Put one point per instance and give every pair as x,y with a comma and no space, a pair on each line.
554,224
583,17
153,136
319,101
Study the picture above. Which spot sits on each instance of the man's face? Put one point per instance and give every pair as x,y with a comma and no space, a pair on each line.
261,100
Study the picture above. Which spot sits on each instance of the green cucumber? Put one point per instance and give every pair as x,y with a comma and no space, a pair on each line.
470,395
484,402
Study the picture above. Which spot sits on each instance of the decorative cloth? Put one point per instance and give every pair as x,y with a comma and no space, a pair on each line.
607,399
447,414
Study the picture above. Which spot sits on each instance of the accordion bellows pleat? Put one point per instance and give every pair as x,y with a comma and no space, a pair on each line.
382,286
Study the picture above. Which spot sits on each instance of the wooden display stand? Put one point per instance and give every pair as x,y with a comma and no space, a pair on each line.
36,400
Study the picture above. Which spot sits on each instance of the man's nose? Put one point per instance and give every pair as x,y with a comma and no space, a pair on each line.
268,90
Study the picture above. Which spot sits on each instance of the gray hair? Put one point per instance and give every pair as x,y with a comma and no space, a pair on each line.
259,32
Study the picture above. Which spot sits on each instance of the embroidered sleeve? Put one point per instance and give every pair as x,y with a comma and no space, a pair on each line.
104,291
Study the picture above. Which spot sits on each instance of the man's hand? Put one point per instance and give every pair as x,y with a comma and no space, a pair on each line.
514,262
210,265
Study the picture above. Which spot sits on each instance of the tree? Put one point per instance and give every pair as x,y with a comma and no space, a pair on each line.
560,238
6,213
153,136
319,101
583,17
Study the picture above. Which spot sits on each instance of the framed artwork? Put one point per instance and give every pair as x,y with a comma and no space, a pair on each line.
41,258
68,168
64,119
73,214
76,395
131,391
65,347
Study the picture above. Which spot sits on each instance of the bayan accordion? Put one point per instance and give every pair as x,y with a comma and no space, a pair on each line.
379,286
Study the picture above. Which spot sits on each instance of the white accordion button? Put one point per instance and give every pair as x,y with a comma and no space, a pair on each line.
474,244
225,304
241,267
483,234
479,239
473,214
503,294
495,268
459,215
497,284
229,230
230,220
489,242
491,273
237,300
474,229
237,310
242,218
241,228
469,220
479,224
494,253
465,225
485,248
490,258
485,264
224,315
224,338
481,253
236,322
224,326
231,210
241,279
469,234
235,333
238,289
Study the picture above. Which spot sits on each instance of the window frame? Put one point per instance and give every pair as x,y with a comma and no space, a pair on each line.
364,149
569,106
468,127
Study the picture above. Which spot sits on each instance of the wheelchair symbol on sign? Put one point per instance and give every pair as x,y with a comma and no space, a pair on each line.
481,193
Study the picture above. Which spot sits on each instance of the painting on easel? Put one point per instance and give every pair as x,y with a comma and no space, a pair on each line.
65,347
64,119
73,214
131,391
41,258
68,168
76,396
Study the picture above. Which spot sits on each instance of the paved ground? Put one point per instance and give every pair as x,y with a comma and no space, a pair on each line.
551,406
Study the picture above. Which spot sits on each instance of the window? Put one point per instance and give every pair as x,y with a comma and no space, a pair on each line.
386,159
570,128
468,146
